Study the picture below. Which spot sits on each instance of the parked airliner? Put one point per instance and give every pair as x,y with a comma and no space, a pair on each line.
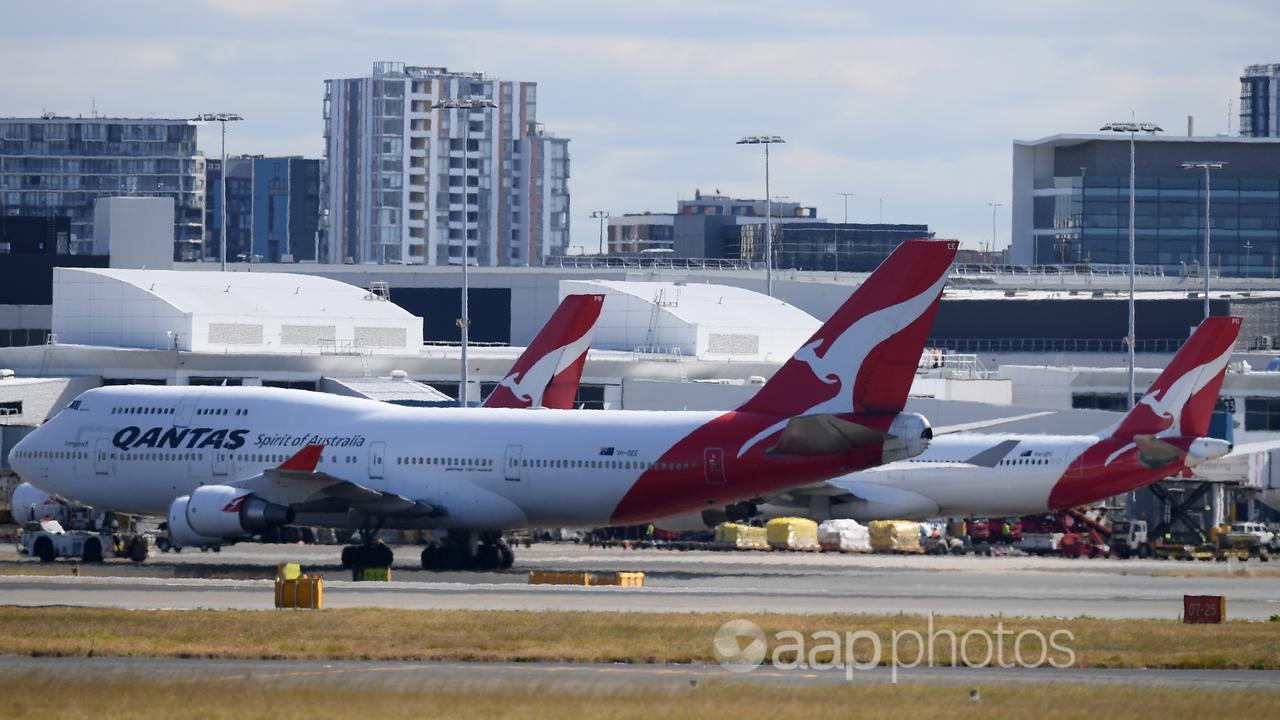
226,463
994,475
546,374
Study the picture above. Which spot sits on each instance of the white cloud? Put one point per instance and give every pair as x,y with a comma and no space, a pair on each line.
915,102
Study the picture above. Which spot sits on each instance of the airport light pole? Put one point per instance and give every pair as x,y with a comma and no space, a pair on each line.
846,206
602,215
1207,166
1133,128
994,208
464,323
766,141
222,118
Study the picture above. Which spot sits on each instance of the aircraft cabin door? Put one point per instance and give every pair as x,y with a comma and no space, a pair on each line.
102,457
377,452
511,466
713,464
220,462
187,408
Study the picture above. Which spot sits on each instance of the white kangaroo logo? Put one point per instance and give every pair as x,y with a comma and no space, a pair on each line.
533,382
845,354
1170,403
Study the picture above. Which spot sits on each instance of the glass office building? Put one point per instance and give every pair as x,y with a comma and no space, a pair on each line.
1071,203
59,166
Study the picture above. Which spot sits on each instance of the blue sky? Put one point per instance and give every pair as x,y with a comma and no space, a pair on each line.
913,102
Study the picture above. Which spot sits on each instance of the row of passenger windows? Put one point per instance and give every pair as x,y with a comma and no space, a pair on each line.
52,454
1027,461
456,462
607,464
170,411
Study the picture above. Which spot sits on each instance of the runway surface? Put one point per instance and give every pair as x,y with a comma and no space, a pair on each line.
239,577
400,675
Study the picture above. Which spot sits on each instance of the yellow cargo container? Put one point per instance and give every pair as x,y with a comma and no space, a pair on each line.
895,536
792,533
737,536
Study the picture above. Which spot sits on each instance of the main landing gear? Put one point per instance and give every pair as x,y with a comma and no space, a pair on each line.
370,553
469,551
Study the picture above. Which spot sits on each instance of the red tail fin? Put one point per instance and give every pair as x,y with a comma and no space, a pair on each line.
864,358
1181,400
548,372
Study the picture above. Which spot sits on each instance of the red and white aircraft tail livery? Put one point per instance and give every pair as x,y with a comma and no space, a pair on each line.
548,372
226,463
998,475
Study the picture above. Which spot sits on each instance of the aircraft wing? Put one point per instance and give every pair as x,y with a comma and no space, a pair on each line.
983,424
297,482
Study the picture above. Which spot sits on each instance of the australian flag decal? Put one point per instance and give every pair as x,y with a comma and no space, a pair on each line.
606,451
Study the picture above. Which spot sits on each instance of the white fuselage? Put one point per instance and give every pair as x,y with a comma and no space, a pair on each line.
941,483
485,468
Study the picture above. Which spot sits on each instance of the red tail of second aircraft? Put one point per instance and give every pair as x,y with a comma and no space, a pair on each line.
1181,400
548,372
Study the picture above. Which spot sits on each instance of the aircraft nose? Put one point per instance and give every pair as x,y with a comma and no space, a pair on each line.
17,455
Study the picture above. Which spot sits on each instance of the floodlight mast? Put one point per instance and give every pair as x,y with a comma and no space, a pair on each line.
1133,128
766,141
222,118
1207,166
464,323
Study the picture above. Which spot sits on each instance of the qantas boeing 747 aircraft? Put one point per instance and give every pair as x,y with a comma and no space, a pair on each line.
225,463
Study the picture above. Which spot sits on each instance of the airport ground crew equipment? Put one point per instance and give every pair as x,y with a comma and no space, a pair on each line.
297,590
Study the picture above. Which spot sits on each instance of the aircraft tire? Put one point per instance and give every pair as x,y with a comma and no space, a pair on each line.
507,556
92,552
44,550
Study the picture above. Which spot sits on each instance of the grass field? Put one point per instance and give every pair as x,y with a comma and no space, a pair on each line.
43,697
576,636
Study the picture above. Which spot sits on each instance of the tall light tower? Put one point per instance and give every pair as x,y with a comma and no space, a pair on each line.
602,215
1133,128
1208,166
995,207
464,323
846,197
766,140
223,118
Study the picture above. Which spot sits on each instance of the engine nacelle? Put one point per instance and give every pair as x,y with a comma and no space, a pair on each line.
228,512
181,532
1205,448
29,504
910,434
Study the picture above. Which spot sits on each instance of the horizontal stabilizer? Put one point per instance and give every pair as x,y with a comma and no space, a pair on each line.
823,434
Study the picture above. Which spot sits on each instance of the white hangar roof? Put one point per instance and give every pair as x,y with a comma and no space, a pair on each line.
695,319
225,312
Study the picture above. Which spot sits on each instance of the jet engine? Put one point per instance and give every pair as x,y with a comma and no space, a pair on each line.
220,512
910,434
180,531
29,503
